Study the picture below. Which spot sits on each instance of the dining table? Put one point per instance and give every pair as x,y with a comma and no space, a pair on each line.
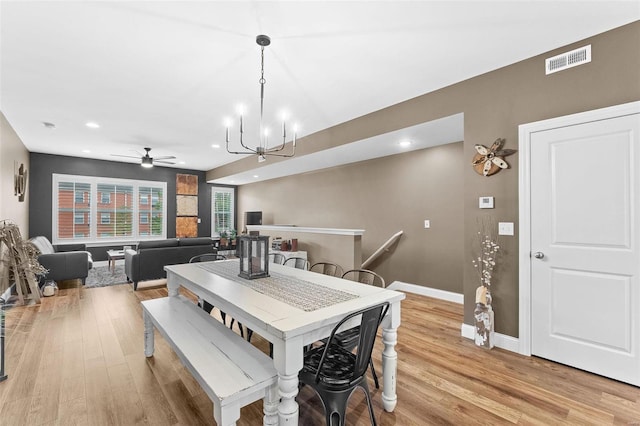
291,308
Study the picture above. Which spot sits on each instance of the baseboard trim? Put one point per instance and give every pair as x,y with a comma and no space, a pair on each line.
502,341
427,291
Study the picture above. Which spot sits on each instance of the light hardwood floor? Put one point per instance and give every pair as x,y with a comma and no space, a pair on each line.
78,359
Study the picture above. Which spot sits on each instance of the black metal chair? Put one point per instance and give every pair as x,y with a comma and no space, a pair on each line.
208,307
327,268
364,276
335,372
277,258
297,262
209,257
348,338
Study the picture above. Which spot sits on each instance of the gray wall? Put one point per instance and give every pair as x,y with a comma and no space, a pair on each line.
381,196
43,166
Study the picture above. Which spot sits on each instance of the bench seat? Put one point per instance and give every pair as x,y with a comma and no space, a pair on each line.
229,369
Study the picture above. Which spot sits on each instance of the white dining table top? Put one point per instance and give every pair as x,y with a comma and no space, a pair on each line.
279,319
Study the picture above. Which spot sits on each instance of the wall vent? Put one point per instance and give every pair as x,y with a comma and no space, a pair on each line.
568,60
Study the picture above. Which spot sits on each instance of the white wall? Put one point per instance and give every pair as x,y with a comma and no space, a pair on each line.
12,152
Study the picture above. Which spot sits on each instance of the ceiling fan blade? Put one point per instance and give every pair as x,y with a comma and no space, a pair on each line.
500,162
497,144
487,167
127,156
165,157
482,150
155,160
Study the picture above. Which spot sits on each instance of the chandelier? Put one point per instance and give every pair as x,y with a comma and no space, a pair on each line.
263,149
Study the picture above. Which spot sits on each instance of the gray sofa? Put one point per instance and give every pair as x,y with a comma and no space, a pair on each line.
64,261
148,262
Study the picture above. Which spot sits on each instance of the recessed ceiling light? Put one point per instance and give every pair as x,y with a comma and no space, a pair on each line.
86,151
92,125
215,145
48,125
256,176
182,162
405,143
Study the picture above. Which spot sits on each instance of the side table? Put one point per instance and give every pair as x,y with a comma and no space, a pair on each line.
112,256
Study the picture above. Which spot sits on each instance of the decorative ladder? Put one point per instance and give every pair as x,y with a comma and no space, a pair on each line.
20,264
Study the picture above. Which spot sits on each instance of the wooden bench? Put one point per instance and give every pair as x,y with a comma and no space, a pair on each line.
231,371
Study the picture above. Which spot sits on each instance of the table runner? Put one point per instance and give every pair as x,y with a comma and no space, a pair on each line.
295,292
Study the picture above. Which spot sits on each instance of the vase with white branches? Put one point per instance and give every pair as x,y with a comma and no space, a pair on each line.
484,261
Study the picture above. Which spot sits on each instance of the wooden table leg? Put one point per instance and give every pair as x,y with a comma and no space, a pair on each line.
390,357
288,358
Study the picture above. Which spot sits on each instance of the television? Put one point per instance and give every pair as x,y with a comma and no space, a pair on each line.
253,218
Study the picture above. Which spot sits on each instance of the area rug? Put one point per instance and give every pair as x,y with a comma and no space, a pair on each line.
102,276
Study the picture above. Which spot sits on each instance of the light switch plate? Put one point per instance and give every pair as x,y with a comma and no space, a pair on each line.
485,202
505,228
427,223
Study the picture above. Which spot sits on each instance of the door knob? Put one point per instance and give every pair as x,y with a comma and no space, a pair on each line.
538,255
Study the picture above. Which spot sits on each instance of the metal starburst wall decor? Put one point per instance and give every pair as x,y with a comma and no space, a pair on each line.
489,161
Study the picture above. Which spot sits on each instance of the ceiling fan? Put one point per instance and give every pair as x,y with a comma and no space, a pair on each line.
147,161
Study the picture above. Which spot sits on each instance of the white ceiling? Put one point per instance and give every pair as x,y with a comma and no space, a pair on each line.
166,74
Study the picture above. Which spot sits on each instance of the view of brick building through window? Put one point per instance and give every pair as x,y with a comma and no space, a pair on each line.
112,212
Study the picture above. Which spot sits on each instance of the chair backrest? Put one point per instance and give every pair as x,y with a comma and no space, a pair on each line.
371,318
207,257
365,276
297,262
327,268
277,258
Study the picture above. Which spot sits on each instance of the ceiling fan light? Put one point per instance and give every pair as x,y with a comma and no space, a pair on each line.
147,162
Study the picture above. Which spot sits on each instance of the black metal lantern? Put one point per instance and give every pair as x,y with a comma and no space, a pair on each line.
254,256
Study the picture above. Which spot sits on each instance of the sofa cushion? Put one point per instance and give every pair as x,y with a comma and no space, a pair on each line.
43,244
171,242
200,241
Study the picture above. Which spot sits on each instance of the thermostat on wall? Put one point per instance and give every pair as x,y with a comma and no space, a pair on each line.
486,202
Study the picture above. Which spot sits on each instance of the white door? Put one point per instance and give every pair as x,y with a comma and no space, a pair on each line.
585,238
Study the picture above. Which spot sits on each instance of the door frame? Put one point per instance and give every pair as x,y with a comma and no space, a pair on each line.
524,190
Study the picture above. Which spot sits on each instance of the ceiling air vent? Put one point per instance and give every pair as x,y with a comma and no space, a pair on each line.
568,60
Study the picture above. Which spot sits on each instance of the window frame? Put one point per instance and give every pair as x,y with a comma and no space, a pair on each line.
77,215
94,239
229,190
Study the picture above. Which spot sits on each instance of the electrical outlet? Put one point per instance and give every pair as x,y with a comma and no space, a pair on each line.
505,228
427,224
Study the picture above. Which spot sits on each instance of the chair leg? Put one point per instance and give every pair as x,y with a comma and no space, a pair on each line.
335,406
365,388
373,373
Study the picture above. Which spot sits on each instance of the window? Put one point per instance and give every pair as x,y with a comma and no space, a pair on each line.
93,209
223,209
116,217
155,211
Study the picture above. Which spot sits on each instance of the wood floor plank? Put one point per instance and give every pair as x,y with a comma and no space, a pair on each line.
154,403
101,406
73,413
443,379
